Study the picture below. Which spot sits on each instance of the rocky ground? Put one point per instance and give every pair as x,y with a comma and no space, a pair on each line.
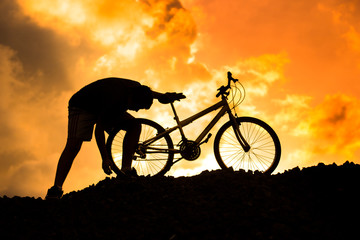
319,202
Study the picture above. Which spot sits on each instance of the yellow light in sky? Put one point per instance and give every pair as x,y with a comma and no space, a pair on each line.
128,50
67,11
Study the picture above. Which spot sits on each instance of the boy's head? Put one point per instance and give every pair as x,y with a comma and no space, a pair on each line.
141,98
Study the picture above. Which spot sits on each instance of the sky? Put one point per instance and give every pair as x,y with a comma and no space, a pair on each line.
298,61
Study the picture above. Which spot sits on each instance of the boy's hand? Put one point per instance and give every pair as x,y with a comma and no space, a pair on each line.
170,97
106,166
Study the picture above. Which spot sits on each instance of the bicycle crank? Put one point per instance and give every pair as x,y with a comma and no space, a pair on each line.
190,150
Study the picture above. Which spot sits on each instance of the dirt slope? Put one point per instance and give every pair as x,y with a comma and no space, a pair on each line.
319,202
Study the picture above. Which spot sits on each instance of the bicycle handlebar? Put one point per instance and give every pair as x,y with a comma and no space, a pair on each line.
222,90
230,77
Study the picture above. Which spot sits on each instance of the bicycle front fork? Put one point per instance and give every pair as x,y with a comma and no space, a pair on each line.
244,144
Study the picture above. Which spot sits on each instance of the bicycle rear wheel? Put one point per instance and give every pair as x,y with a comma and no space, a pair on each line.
265,149
148,161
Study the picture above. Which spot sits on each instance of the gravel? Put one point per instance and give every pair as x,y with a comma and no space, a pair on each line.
320,202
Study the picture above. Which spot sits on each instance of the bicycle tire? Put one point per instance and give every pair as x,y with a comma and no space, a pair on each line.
154,164
265,149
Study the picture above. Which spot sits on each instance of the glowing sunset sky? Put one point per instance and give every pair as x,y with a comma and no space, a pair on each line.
298,60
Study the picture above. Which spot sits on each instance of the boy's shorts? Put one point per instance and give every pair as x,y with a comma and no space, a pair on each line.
81,123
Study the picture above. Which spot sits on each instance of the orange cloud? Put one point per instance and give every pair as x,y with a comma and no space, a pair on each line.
126,35
29,129
327,132
320,49
334,126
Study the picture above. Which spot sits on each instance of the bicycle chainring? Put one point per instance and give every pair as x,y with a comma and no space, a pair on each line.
190,150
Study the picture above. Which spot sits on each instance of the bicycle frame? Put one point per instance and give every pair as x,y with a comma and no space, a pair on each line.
223,104
156,152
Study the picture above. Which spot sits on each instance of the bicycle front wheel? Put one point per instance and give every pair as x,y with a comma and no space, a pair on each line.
154,159
265,149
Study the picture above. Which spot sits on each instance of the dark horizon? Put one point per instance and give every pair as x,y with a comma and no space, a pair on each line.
299,63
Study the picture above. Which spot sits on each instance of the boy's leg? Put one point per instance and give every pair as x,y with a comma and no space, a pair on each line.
131,140
67,157
80,128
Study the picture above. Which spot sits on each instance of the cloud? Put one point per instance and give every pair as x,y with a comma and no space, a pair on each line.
40,51
29,129
311,133
292,109
34,74
127,35
305,31
334,126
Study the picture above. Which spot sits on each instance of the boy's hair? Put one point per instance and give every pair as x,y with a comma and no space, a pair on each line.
142,97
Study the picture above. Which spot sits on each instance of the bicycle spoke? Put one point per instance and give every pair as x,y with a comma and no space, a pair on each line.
262,146
154,159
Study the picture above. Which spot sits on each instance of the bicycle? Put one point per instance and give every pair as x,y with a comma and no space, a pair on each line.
241,143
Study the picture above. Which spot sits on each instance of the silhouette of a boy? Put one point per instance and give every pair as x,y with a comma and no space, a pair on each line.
104,103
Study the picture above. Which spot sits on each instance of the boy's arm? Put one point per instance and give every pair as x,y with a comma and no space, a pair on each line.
100,141
156,95
168,97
